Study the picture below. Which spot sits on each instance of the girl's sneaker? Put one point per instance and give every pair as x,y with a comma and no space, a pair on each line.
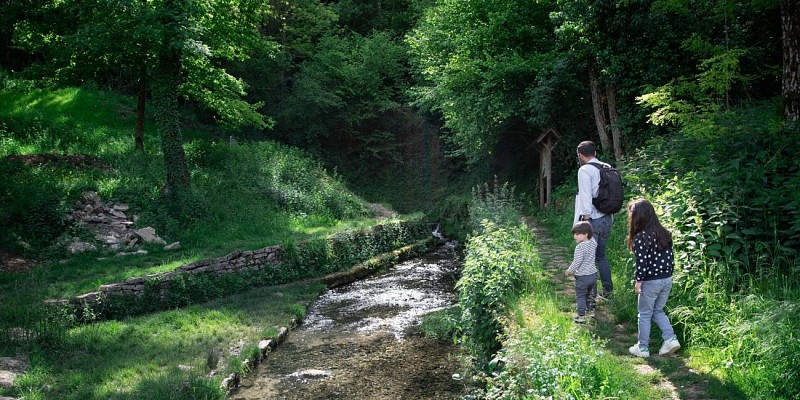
579,319
669,347
638,352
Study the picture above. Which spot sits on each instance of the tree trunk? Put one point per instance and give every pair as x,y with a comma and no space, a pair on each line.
598,102
166,81
141,97
616,131
790,22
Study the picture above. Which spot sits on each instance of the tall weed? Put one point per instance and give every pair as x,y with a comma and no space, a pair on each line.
547,362
32,206
495,202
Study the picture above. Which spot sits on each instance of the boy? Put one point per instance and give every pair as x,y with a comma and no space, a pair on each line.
584,269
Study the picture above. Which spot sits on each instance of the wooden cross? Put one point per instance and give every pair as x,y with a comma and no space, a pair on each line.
547,141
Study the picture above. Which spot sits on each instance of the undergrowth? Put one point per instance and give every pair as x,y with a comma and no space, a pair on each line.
242,194
730,197
511,323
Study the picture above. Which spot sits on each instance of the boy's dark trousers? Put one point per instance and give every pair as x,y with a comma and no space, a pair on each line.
585,290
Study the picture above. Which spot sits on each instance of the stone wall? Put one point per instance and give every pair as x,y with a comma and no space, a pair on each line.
259,263
239,261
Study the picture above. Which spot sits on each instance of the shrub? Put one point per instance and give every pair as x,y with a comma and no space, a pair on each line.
31,206
549,362
494,275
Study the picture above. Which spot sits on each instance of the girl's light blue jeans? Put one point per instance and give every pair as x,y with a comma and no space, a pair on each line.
651,308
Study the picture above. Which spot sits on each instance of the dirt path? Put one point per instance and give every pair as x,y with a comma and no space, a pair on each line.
662,371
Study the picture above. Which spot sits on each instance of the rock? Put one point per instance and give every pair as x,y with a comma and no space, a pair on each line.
91,197
231,381
282,333
10,368
149,235
17,333
264,347
13,364
108,223
80,247
311,374
118,214
173,246
139,252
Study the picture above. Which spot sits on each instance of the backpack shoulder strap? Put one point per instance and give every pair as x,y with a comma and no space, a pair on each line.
600,165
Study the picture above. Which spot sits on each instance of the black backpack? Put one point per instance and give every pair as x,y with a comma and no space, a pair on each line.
610,195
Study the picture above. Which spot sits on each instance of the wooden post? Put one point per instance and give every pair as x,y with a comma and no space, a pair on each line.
547,141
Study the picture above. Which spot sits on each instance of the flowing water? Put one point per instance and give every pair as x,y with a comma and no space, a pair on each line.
358,341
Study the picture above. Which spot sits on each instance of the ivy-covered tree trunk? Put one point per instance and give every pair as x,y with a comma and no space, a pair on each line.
598,103
790,22
165,82
616,131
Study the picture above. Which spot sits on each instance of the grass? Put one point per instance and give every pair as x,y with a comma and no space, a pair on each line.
118,359
557,359
543,354
89,122
701,371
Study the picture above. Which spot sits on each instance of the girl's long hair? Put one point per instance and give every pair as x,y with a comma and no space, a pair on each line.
642,217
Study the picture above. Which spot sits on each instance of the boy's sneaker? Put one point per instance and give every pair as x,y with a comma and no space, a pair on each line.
602,297
638,352
579,319
669,347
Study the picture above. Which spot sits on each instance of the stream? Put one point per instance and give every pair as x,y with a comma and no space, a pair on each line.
359,341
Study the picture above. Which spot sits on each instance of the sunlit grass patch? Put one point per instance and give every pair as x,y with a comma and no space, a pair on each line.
116,358
554,358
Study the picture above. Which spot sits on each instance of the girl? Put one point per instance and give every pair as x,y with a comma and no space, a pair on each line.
651,244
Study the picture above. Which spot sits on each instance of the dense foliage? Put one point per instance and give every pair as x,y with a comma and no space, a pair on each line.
729,194
499,256
479,58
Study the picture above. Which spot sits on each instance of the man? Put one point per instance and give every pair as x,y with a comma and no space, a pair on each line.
588,185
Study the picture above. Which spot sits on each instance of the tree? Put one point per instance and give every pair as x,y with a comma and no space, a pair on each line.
347,82
488,68
624,46
730,55
790,22
182,45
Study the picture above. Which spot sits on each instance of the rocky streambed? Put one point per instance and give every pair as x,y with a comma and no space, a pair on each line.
361,341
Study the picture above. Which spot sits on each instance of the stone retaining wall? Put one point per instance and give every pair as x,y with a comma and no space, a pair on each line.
239,261
261,262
